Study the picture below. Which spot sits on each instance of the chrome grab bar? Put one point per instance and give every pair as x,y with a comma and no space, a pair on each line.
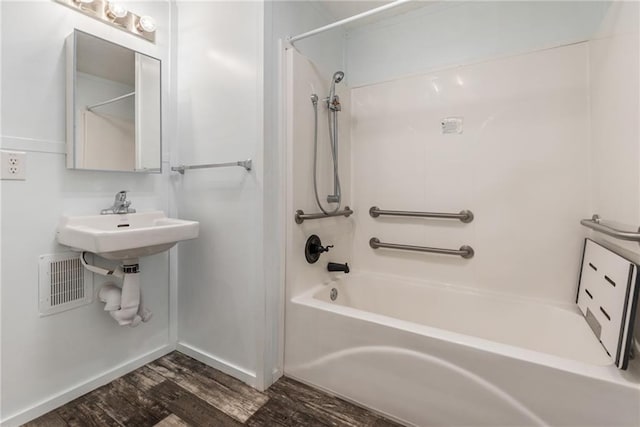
594,224
247,164
464,216
464,251
301,216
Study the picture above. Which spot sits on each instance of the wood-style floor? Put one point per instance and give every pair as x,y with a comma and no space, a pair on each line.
177,390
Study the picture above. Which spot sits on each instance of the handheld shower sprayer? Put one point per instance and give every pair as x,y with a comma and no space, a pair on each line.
333,101
333,104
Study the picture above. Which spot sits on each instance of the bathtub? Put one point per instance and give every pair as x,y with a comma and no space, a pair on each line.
428,355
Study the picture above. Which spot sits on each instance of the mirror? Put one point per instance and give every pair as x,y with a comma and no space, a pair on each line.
113,107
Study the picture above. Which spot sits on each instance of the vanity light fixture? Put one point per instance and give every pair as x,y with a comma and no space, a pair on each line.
115,10
86,6
146,24
115,14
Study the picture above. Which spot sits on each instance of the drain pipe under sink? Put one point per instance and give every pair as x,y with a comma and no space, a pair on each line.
129,301
123,304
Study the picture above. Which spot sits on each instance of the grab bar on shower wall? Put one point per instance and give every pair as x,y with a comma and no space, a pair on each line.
594,224
464,251
464,216
301,216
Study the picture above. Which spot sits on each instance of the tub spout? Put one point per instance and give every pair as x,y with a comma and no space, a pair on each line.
334,266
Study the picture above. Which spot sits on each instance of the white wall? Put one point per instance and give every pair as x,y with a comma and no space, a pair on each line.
520,165
303,79
614,70
219,119
339,231
49,360
444,34
283,19
229,68
291,18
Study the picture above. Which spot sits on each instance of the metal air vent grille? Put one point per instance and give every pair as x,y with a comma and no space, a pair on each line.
64,283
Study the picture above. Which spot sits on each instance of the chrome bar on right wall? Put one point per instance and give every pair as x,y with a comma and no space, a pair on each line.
465,251
595,224
464,215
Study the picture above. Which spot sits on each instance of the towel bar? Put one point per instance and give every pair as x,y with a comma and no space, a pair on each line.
247,164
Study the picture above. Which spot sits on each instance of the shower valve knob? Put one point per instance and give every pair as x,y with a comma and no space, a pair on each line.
313,249
321,249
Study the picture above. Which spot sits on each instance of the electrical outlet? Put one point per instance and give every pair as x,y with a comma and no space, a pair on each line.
13,165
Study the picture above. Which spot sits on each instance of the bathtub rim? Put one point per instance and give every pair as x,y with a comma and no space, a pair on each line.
608,373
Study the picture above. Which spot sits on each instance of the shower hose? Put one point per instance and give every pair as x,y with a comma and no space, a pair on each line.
314,100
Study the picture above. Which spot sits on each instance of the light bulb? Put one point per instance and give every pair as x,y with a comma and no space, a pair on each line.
146,24
116,10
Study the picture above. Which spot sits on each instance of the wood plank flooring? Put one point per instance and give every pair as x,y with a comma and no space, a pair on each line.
178,391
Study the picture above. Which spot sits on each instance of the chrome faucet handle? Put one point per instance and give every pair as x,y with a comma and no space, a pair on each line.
120,205
121,196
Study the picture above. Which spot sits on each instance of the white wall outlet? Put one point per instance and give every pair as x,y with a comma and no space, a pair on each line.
13,165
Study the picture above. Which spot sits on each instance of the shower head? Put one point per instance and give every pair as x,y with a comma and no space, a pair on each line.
333,99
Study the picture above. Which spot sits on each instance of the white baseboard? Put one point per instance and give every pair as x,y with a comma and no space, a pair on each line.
229,368
73,393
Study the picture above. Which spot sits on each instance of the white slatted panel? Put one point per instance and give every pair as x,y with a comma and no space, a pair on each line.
606,296
64,283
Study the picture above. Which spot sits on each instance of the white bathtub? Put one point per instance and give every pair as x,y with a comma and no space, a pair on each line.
437,355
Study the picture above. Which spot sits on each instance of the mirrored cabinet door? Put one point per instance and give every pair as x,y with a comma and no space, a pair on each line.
113,107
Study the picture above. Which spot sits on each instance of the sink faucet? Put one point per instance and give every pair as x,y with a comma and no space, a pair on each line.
120,205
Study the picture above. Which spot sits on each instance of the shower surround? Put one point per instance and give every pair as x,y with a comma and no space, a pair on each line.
522,165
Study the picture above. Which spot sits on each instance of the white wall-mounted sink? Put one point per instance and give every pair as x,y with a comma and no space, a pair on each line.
124,236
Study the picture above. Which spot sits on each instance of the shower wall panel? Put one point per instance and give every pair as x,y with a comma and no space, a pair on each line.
446,34
520,164
614,70
303,80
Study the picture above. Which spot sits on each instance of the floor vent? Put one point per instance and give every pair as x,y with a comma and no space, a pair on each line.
64,283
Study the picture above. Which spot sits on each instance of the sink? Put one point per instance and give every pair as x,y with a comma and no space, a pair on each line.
124,236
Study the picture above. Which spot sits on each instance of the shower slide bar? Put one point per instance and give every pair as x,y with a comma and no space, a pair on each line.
464,251
112,100
247,164
342,22
595,224
464,216
301,216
